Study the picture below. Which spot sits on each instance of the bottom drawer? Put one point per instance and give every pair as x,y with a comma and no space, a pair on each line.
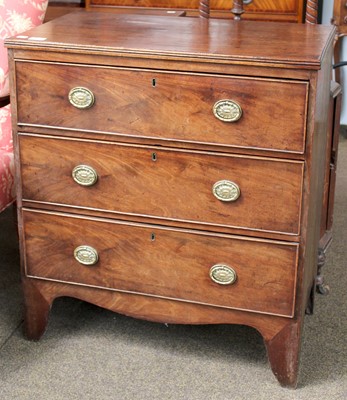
193,266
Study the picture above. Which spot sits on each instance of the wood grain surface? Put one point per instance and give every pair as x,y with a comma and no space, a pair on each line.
173,264
177,185
189,39
166,106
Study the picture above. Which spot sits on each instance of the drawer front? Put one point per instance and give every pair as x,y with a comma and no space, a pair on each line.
167,263
168,106
162,183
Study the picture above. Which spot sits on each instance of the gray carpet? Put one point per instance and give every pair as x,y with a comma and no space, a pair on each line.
91,353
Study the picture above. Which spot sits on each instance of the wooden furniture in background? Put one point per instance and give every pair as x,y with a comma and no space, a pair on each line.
326,233
57,9
332,146
311,12
287,10
173,188
284,10
340,16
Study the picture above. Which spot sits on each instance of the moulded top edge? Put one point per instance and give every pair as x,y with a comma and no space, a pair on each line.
148,36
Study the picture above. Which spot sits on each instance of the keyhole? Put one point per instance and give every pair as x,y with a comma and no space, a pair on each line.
154,82
152,237
154,156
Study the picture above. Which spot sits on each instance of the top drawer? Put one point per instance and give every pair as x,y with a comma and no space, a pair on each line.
166,106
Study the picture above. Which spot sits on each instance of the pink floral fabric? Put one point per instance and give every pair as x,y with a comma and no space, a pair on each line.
6,143
7,194
16,16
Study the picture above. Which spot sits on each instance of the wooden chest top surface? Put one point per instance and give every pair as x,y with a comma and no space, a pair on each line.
192,38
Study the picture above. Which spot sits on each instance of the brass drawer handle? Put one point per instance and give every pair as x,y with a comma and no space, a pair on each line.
227,110
86,255
226,190
84,175
81,97
223,274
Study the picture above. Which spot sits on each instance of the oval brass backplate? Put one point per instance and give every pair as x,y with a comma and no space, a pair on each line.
226,190
227,110
81,97
223,274
84,175
86,255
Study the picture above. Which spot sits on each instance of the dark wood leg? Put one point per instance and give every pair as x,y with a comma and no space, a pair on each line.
283,353
321,287
36,311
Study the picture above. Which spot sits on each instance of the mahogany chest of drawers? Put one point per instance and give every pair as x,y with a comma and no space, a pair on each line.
172,170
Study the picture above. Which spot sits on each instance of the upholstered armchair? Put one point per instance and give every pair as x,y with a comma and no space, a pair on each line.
16,16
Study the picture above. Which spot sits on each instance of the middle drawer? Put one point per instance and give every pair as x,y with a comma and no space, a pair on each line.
196,187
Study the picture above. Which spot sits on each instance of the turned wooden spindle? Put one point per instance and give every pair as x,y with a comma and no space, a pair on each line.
237,9
204,9
311,11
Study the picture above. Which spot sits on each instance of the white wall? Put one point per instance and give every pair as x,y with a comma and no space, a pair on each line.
344,83
327,13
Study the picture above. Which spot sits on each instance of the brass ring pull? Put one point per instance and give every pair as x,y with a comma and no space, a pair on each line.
86,255
227,110
81,97
226,190
84,175
223,274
